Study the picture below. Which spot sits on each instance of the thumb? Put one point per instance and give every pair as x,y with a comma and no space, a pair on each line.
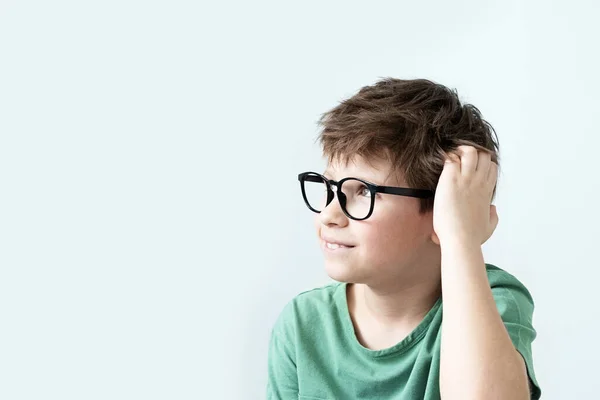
451,162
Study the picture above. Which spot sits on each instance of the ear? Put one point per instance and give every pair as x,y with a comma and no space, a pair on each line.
493,223
434,238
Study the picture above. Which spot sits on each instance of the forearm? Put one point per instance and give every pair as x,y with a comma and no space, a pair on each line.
478,359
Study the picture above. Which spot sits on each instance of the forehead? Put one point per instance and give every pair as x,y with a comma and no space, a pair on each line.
378,171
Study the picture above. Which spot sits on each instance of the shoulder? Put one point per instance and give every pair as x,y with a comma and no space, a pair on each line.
510,294
309,306
501,279
323,296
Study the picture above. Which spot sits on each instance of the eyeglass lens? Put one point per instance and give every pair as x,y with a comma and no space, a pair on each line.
356,196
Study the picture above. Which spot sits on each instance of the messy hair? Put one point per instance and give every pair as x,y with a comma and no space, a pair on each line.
411,123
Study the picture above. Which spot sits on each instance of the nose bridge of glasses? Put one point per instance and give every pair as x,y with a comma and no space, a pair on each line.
336,192
331,192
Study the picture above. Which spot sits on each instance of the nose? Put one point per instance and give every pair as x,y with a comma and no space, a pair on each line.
332,214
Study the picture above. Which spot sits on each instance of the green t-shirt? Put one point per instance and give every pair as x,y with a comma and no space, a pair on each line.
314,353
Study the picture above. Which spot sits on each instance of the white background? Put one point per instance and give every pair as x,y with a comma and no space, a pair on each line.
151,223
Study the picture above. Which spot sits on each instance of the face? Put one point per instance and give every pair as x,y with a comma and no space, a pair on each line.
394,242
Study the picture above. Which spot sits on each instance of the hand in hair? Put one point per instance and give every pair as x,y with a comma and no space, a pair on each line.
462,209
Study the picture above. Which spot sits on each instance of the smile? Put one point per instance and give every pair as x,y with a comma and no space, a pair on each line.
335,246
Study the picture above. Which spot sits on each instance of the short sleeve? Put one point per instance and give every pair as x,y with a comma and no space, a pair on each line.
515,306
282,383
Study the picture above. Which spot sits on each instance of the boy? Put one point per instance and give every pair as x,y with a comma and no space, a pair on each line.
401,213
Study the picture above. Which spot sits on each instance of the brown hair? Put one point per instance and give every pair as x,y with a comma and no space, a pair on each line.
411,123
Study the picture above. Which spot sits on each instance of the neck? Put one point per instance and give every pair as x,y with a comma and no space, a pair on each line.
398,301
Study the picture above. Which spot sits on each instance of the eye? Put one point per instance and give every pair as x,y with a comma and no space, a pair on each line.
364,191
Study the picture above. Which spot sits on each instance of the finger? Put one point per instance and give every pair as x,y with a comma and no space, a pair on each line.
468,159
484,161
452,163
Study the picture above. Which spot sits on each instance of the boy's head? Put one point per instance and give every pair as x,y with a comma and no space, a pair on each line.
394,133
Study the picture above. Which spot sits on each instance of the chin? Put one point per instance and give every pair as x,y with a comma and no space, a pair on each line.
341,272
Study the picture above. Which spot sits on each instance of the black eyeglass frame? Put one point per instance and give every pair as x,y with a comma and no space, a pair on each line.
373,188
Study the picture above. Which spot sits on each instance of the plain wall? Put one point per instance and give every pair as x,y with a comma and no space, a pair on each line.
151,223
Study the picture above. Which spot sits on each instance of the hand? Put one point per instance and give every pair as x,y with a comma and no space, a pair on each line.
462,208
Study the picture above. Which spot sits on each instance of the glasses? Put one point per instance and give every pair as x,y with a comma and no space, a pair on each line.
356,196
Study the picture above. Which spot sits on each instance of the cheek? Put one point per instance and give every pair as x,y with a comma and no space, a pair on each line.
378,236
391,237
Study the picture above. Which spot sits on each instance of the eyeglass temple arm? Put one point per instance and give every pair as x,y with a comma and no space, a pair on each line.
419,193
